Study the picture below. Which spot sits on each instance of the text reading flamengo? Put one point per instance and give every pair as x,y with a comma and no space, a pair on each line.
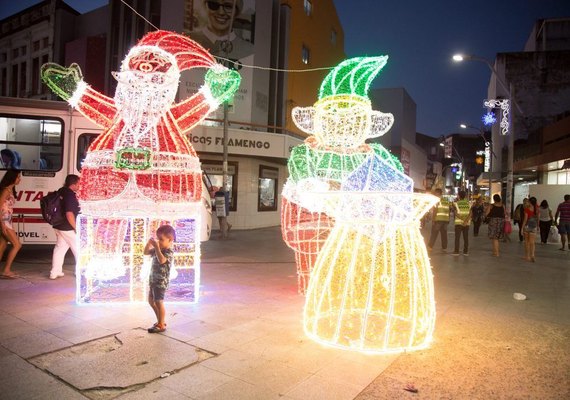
248,143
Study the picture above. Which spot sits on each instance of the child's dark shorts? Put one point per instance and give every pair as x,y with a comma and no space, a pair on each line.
156,293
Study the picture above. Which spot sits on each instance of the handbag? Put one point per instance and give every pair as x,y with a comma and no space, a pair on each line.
507,227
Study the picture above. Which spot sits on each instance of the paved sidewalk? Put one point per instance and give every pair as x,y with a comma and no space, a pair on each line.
244,339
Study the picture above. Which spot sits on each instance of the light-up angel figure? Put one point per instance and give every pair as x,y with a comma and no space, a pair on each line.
371,288
340,122
142,171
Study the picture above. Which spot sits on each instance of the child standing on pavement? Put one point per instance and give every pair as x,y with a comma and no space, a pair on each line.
161,251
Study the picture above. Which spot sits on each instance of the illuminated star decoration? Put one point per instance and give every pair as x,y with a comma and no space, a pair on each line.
504,105
142,171
349,206
489,118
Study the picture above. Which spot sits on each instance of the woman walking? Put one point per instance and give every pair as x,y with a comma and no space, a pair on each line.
8,234
496,214
530,225
477,211
544,221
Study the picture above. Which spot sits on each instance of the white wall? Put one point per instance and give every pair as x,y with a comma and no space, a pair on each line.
554,194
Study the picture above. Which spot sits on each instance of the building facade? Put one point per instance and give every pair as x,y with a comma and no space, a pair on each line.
258,38
401,138
539,81
29,39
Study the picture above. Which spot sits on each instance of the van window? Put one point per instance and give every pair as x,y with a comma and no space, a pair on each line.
83,142
31,143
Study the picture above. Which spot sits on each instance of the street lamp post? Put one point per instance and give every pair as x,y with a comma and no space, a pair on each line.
488,145
510,91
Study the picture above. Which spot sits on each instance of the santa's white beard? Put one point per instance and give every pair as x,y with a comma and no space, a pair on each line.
141,109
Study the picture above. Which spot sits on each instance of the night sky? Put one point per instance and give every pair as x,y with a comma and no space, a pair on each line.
420,36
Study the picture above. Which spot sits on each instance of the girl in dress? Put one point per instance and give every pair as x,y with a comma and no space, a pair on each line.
530,225
8,234
496,214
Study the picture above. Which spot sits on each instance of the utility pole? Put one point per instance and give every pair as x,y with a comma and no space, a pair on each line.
491,154
226,123
510,156
225,179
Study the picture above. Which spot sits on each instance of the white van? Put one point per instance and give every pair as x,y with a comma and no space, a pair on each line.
48,140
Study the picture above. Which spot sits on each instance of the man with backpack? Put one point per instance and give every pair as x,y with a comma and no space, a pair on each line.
65,229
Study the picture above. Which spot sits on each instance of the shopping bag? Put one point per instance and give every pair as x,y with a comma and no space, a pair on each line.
507,227
553,235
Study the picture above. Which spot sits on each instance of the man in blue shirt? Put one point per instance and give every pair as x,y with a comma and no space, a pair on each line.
65,231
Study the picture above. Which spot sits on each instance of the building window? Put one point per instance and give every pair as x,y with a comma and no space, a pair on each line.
214,171
305,55
3,57
45,43
14,83
36,76
4,87
308,4
333,37
23,50
44,89
23,76
35,143
36,45
267,188
15,52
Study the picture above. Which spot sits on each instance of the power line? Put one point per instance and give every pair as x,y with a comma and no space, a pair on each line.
233,61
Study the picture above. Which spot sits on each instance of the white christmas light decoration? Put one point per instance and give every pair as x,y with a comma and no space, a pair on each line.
142,171
504,105
351,216
371,289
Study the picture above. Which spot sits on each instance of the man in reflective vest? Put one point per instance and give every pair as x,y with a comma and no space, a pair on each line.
462,222
440,222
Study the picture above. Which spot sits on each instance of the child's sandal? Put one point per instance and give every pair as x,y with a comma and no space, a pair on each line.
156,329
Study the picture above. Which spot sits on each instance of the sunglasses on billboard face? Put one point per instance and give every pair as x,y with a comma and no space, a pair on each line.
215,6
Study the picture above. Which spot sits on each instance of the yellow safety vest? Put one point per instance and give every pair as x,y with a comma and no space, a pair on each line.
462,211
442,211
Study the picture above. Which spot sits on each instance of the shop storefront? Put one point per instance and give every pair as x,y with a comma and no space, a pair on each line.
257,170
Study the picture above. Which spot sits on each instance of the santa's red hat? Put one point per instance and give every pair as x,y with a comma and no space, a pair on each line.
179,49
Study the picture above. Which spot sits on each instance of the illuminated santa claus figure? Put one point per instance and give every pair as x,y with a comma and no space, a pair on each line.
142,171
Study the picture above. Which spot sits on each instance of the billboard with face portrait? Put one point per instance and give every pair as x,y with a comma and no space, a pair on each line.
226,29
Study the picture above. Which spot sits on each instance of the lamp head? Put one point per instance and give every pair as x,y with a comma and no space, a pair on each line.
458,57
